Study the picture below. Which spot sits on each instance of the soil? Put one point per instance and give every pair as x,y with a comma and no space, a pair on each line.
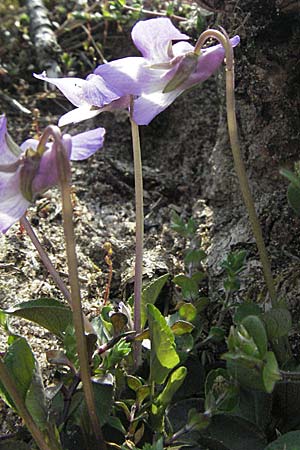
187,167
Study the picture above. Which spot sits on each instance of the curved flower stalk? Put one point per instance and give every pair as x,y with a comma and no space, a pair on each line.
31,169
164,71
224,40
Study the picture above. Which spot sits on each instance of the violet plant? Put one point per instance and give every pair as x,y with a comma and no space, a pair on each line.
31,169
154,81
146,86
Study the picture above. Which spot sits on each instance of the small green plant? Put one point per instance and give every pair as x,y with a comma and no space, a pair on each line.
293,191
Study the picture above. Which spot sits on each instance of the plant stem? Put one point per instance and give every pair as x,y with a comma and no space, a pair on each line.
36,433
64,172
139,233
238,161
51,269
45,259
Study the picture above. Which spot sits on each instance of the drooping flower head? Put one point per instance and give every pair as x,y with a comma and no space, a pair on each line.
27,170
156,79
164,71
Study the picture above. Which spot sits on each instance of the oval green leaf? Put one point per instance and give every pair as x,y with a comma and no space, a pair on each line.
162,339
20,363
257,331
288,441
46,312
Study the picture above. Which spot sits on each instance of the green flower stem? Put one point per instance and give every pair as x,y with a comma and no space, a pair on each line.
238,161
139,233
42,441
64,172
51,269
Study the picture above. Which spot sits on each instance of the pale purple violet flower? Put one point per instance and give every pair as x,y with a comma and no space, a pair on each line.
155,80
91,96
24,173
165,71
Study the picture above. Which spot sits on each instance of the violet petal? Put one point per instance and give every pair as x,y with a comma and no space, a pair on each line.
9,150
148,106
87,143
129,75
152,38
47,174
29,143
98,93
12,203
72,88
78,114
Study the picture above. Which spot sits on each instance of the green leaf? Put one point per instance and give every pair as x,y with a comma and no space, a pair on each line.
115,423
230,432
163,354
186,230
189,287
256,329
216,334
150,294
103,329
184,345
124,408
185,413
200,304
270,372
221,389
142,393
20,363
158,445
197,421
158,373
293,195
162,338
278,322
249,377
194,256
177,223
292,177
3,319
288,441
246,309
46,312
198,277
133,382
36,399
174,382
104,395
182,327
70,346
187,311
255,406
191,225
231,284
234,263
